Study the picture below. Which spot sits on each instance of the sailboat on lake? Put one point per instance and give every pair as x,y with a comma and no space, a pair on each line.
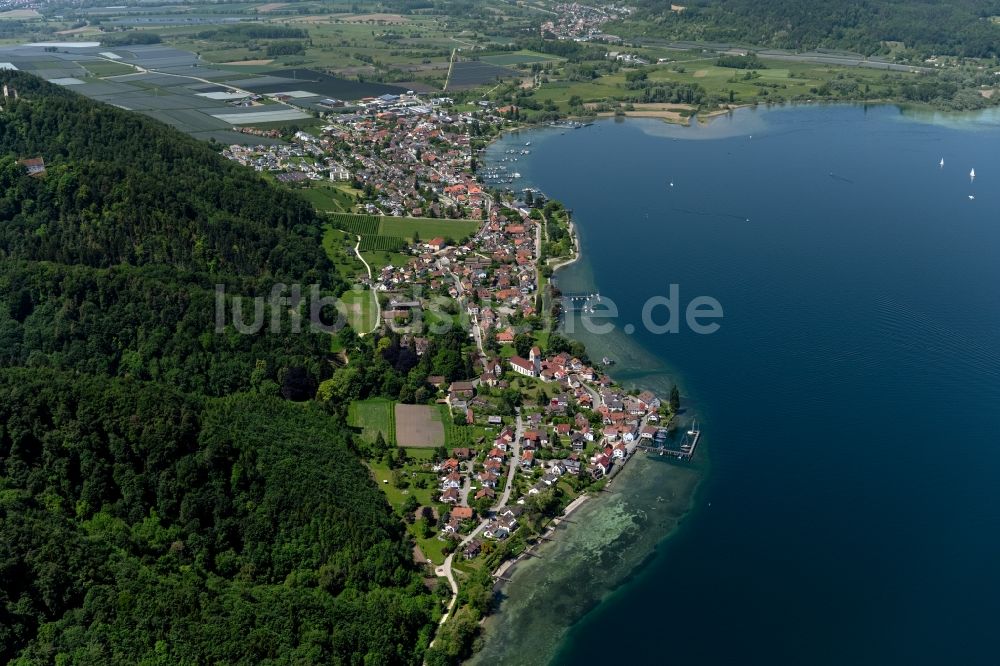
942,163
972,176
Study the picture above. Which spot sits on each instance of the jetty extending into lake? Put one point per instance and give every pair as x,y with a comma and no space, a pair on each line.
686,450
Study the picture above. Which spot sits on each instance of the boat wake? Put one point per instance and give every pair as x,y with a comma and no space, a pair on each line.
707,213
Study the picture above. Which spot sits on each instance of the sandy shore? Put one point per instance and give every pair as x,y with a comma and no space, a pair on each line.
671,113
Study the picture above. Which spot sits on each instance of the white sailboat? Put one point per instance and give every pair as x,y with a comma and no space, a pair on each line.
942,163
972,175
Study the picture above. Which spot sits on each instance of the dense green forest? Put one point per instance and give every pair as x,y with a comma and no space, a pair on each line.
138,523
951,27
168,493
110,260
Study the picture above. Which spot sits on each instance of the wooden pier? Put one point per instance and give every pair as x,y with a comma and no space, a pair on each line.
685,452
579,301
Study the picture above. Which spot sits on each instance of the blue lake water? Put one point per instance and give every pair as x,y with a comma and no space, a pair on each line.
849,499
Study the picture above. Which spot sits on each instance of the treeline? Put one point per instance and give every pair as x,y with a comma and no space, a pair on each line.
285,48
251,31
145,525
960,27
749,61
386,366
130,38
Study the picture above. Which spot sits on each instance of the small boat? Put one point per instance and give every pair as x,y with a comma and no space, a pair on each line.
972,196
527,143
972,175
671,183
607,361
942,163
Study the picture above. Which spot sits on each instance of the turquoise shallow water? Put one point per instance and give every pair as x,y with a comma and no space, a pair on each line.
849,399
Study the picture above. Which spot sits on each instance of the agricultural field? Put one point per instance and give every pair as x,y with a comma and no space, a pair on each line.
427,228
472,74
320,84
373,416
164,83
419,426
518,58
787,79
101,68
359,225
380,243
457,435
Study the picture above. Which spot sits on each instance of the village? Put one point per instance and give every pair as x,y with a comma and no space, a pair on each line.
583,23
549,424
408,156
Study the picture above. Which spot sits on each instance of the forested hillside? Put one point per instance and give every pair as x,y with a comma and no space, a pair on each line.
159,501
952,27
138,522
111,259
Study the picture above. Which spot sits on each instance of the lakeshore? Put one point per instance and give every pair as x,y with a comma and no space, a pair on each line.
635,511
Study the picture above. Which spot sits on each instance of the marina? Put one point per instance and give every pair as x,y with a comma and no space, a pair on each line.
685,451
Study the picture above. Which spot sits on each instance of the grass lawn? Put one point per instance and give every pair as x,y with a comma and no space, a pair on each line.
397,496
532,389
542,338
360,309
379,258
431,547
339,248
373,416
427,228
605,87
418,453
327,197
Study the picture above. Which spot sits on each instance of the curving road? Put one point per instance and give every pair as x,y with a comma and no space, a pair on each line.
444,570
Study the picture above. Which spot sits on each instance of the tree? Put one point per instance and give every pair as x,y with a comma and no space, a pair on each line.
675,399
523,342
342,388
380,446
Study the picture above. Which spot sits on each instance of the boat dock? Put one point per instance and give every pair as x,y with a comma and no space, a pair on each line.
685,452
579,301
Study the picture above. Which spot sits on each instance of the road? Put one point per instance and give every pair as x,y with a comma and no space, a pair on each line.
477,333
378,306
515,459
445,569
817,57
